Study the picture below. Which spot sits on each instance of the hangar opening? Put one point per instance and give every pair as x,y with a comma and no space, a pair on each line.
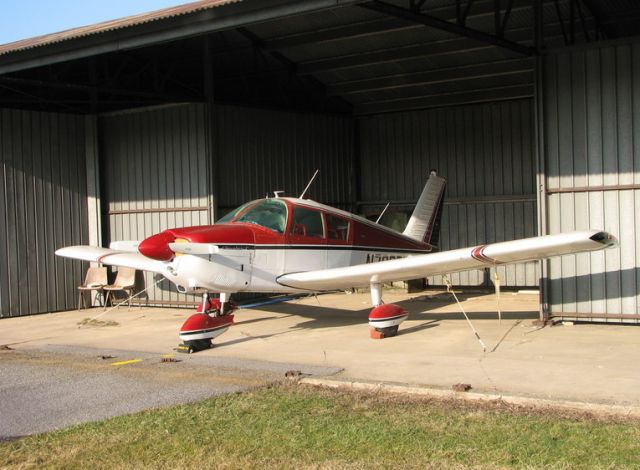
172,118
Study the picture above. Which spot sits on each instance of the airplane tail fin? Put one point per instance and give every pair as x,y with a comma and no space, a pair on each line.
424,224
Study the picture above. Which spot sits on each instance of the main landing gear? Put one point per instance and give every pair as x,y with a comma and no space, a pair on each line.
214,317
384,319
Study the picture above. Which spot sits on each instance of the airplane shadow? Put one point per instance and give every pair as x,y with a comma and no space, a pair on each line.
416,309
416,328
243,340
419,308
244,321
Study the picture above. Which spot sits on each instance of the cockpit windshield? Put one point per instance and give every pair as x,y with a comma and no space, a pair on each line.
269,213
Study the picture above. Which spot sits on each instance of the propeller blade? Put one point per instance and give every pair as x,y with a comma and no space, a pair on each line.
187,248
130,246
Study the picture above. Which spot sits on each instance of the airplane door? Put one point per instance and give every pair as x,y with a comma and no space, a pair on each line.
306,242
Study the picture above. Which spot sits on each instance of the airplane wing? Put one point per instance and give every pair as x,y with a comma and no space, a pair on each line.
464,259
109,256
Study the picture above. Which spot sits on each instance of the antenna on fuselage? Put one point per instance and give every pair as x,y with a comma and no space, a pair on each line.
383,211
309,184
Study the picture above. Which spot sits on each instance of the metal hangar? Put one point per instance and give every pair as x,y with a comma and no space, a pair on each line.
529,108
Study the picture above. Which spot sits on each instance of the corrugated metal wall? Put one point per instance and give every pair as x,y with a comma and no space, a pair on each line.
592,160
259,151
42,208
486,153
159,172
155,166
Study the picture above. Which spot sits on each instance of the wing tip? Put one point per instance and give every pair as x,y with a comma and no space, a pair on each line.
605,238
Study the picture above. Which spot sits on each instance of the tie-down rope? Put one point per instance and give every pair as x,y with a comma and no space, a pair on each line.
128,299
450,290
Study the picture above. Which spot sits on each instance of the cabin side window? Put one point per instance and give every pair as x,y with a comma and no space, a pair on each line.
337,228
306,223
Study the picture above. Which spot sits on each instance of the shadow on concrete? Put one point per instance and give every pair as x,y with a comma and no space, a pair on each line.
417,310
416,328
328,317
420,309
243,340
493,315
243,321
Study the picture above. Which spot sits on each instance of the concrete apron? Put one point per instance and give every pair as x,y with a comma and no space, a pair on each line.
435,348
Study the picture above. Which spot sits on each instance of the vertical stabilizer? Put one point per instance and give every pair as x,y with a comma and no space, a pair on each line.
424,224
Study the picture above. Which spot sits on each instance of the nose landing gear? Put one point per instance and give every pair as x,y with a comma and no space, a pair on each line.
214,317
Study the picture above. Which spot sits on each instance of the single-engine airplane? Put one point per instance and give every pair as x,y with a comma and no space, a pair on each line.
293,245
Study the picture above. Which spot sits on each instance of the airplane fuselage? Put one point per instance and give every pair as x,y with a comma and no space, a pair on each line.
268,238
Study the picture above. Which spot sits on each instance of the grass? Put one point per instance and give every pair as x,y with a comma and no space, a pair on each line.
302,427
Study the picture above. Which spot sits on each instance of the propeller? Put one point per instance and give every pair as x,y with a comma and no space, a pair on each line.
130,246
188,248
165,246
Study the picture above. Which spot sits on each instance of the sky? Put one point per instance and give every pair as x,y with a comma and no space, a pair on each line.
22,19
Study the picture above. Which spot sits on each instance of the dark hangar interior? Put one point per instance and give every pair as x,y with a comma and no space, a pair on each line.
529,108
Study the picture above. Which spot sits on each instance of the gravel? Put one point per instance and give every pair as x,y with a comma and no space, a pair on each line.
57,386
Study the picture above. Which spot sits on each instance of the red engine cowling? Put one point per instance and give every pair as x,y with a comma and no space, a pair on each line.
201,326
386,318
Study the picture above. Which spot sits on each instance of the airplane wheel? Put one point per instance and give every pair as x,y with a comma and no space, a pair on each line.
198,345
389,331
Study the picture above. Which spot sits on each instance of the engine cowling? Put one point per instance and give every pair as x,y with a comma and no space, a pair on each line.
157,246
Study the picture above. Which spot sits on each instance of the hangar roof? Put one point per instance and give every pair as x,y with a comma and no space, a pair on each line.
346,56
111,25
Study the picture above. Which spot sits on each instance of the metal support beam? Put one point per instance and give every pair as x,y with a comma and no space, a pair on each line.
572,22
505,18
386,25
429,77
538,13
462,84
212,161
316,86
598,15
416,5
91,90
564,31
583,22
448,99
432,21
397,54
462,18
92,163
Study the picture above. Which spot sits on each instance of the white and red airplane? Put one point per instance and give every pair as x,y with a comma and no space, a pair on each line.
293,245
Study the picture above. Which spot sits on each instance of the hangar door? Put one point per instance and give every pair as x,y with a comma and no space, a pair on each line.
155,167
485,152
43,206
592,177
